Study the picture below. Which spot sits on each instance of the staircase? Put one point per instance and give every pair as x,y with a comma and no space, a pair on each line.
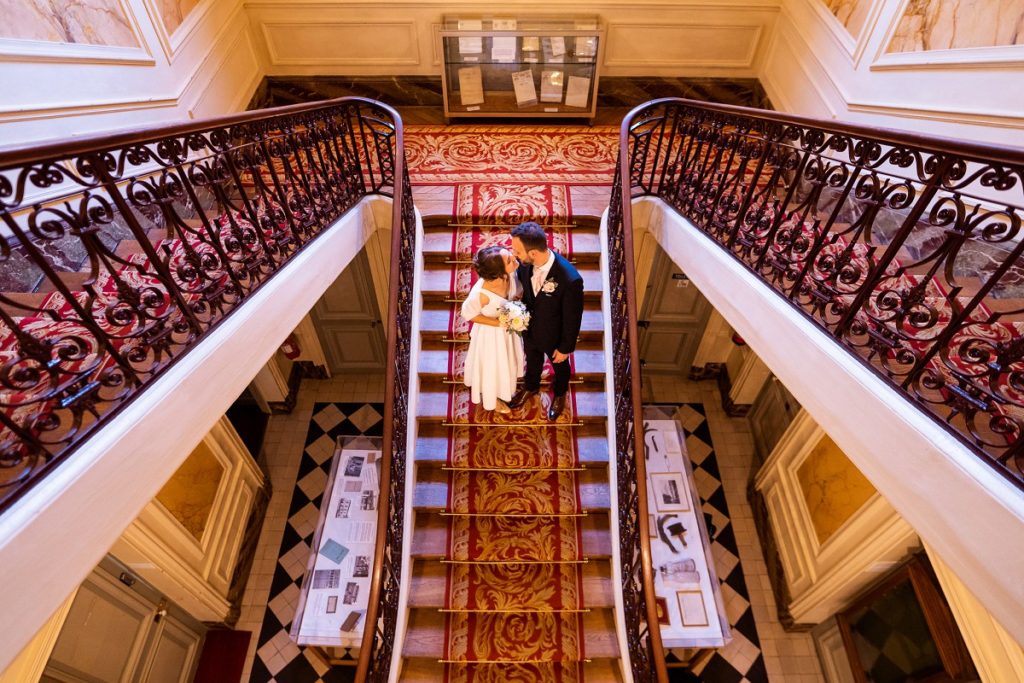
511,547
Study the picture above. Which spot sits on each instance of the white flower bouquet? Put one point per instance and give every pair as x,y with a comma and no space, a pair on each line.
514,317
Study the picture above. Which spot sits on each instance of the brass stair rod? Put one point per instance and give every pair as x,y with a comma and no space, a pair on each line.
452,610
524,515
510,225
580,468
585,560
512,425
544,382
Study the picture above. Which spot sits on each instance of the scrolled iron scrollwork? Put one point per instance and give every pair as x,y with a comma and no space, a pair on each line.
118,254
906,249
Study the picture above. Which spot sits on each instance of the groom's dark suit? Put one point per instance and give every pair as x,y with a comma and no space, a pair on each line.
555,319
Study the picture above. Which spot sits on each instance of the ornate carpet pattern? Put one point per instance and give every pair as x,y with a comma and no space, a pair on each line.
511,154
514,546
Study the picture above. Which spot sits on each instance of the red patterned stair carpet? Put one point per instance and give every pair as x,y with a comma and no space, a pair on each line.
514,532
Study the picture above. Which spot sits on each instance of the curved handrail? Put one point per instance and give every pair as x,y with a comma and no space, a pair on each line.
382,611
647,656
122,251
905,248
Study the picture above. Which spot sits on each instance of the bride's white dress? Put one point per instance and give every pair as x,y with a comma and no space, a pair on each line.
495,358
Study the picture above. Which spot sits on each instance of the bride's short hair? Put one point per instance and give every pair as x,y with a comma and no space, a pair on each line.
488,263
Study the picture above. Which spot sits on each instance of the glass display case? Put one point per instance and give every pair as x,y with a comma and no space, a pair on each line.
496,66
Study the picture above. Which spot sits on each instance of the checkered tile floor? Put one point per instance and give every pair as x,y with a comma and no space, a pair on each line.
278,659
741,660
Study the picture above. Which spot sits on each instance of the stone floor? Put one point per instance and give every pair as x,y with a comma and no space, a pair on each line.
788,657
283,450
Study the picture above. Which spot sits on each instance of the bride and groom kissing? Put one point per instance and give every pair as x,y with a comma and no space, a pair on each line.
526,305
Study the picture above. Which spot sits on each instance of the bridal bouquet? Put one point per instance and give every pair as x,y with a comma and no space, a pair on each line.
514,317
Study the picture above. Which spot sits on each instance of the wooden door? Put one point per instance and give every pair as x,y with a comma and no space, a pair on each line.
348,321
673,317
120,630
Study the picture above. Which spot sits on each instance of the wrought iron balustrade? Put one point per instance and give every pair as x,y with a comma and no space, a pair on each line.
643,633
121,252
904,248
380,630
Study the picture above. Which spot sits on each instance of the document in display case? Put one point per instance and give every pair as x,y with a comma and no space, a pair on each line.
521,66
471,87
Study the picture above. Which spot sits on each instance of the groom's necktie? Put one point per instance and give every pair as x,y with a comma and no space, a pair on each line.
537,280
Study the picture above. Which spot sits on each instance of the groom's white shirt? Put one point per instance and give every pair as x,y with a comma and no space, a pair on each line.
540,273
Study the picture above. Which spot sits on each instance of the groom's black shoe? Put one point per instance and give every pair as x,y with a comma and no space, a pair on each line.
520,397
557,407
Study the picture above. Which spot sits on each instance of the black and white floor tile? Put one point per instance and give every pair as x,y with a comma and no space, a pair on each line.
741,661
278,659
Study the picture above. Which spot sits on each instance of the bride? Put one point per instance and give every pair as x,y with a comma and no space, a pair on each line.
495,358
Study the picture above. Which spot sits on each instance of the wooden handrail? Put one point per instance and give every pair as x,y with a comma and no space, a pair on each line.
147,240
904,248
375,650
969,150
656,652
43,150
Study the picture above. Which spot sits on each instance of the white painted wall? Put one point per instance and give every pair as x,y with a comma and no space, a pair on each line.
657,37
207,67
969,514
813,66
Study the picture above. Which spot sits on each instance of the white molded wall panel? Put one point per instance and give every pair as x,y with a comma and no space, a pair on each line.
208,66
813,65
710,38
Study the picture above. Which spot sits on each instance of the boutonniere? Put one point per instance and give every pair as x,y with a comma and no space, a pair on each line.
549,287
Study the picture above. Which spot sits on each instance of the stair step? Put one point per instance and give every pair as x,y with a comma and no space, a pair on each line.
430,536
432,445
437,248
425,634
424,670
434,324
429,587
432,404
431,491
589,365
577,224
436,285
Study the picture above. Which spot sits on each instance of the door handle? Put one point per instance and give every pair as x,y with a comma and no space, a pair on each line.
161,611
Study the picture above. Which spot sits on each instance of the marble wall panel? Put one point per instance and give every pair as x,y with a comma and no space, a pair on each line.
853,13
191,492
174,12
87,22
951,24
833,488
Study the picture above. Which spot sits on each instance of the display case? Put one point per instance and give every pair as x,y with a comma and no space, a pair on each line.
496,66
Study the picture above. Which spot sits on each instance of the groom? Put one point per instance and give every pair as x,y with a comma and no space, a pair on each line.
553,293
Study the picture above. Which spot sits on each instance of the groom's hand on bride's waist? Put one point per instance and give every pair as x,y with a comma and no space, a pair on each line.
558,357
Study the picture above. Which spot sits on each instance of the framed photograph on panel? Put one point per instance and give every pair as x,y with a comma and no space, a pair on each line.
662,605
669,491
691,608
